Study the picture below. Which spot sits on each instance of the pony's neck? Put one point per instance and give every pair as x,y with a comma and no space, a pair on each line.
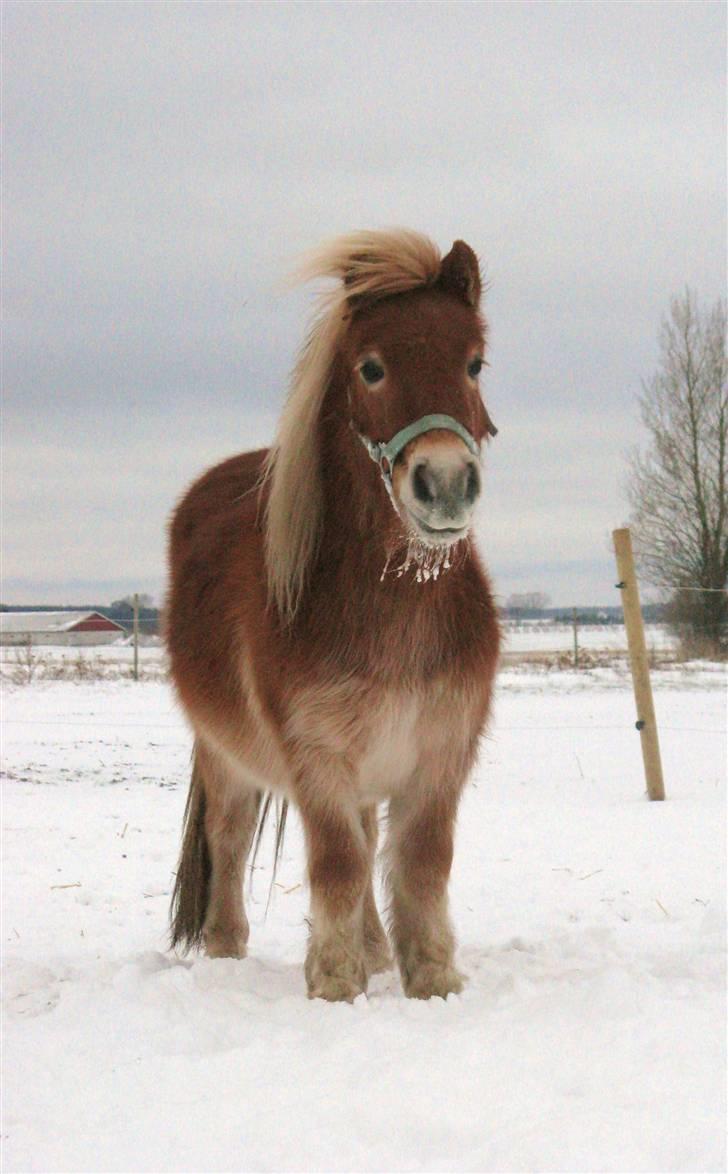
359,521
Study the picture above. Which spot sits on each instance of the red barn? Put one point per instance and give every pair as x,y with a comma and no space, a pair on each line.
58,627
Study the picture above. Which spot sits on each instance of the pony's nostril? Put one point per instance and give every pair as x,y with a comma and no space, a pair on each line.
472,484
422,484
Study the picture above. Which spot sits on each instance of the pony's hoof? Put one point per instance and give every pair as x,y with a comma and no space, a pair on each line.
337,982
431,981
225,943
335,989
334,972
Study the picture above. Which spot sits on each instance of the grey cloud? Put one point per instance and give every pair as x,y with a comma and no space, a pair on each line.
164,164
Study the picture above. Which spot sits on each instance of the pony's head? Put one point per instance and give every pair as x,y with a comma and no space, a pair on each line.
412,364
398,348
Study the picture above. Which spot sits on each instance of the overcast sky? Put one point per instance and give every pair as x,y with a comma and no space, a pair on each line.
165,163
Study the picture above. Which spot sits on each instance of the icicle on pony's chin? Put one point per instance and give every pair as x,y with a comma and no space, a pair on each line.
427,561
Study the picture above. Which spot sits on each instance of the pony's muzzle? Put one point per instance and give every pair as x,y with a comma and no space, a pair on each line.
444,488
440,485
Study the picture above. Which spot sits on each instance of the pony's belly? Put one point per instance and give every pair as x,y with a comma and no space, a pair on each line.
391,748
353,733
250,759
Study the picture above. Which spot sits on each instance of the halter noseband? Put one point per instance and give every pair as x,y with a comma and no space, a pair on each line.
385,454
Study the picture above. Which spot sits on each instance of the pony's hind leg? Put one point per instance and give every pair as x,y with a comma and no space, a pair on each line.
231,814
377,954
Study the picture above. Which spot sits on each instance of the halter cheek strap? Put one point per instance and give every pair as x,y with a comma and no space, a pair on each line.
385,455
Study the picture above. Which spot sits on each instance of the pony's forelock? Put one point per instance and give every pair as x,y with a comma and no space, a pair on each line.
364,264
373,264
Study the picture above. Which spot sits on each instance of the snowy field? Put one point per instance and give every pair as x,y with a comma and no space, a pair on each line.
590,1037
537,637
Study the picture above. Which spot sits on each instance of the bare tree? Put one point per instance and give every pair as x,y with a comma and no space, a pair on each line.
527,601
678,486
26,662
127,603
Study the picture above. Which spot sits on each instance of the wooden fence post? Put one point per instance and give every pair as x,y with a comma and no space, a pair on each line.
575,623
646,723
136,636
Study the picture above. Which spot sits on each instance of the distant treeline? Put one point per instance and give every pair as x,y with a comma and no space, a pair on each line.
653,613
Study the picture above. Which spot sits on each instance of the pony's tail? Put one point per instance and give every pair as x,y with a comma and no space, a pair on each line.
192,883
281,817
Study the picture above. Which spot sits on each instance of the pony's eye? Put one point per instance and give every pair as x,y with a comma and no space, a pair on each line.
371,371
475,366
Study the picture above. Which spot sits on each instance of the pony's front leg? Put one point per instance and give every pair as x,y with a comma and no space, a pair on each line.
420,850
338,870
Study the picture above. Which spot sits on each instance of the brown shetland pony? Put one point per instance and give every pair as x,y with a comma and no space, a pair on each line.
331,629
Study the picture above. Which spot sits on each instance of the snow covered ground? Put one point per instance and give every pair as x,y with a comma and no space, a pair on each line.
529,637
591,1035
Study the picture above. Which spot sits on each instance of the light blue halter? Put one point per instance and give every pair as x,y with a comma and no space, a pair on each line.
385,454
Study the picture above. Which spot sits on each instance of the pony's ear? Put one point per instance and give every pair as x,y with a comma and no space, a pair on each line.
358,296
460,274
353,273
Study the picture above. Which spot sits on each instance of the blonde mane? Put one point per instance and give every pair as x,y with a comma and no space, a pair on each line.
375,264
